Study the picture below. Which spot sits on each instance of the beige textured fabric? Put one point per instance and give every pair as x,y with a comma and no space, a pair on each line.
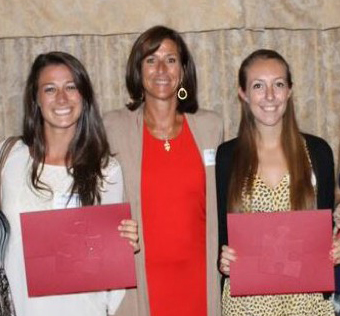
124,130
314,56
42,18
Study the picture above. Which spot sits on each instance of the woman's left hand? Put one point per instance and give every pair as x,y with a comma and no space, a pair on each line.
129,229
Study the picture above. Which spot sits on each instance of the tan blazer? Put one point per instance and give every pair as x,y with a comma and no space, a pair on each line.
125,133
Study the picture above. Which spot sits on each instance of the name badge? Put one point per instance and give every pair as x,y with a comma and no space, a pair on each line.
209,157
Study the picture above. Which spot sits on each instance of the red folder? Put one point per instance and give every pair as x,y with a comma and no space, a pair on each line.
281,253
77,250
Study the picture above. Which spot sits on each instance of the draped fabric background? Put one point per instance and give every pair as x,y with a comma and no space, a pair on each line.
219,33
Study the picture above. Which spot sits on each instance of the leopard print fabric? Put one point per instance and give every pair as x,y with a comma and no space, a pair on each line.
266,199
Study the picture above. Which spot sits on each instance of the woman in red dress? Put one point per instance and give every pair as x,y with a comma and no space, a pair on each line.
167,150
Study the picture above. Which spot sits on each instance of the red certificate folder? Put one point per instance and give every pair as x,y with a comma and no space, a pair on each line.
77,250
281,253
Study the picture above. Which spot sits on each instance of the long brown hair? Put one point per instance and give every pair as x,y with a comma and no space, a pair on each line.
88,152
245,158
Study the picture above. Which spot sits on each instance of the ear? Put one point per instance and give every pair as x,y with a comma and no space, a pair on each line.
242,95
290,93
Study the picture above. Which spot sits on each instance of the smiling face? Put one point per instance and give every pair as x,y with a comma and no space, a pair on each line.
267,92
59,99
162,73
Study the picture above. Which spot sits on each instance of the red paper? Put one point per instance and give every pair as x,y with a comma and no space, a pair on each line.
77,250
281,253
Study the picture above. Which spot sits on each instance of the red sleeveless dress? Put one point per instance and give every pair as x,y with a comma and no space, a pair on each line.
174,225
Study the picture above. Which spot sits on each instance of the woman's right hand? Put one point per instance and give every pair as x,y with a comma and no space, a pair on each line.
227,255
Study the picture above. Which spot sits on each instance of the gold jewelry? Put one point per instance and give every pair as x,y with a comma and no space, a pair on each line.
165,138
162,134
167,145
182,94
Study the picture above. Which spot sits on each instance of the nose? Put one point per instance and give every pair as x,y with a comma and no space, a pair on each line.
270,93
161,66
61,96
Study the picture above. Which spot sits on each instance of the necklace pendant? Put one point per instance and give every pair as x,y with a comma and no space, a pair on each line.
167,145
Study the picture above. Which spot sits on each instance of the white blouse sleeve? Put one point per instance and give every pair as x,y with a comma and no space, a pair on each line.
114,300
113,193
113,184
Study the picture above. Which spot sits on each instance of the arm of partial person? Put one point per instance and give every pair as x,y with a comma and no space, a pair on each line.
336,241
336,214
336,217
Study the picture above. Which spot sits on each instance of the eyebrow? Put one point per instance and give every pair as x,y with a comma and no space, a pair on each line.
277,78
170,54
51,82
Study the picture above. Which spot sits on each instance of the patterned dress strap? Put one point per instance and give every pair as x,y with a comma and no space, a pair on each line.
6,300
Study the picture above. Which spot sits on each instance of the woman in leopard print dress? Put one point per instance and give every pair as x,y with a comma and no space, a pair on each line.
270,167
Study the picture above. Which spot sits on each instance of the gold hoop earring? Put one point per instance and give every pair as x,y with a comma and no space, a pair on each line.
182,94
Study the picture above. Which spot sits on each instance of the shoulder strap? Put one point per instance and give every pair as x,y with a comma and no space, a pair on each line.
6,148
4,224
4,152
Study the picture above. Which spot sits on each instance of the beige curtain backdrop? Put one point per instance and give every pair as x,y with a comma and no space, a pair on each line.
219,33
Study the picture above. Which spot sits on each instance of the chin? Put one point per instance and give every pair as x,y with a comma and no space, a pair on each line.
270,122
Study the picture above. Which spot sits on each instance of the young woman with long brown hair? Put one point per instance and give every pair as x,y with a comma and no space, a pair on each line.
270,167
61,161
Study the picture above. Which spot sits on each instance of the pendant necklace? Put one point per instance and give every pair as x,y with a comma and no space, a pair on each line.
166,144
161,135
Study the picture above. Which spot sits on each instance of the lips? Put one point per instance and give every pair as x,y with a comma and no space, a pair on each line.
162,81
269,108
63,111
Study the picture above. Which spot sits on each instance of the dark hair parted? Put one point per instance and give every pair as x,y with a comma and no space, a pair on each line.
302,195
88,152
146,44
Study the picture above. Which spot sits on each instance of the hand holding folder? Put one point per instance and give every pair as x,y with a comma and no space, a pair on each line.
281,253
77,250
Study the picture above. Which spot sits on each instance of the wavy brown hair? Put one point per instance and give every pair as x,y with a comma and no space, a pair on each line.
145,45
88,151
245,166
